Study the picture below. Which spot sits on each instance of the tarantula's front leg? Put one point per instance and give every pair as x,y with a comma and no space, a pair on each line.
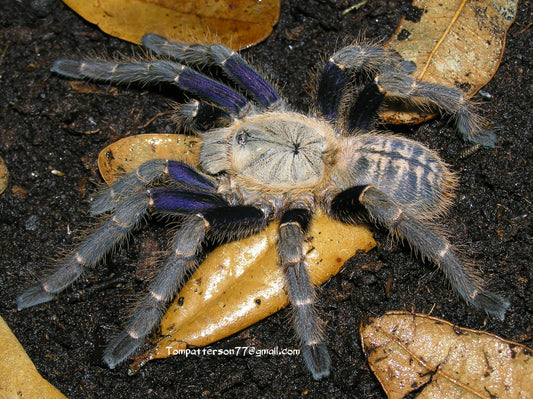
226,222
158,71
423,238
292,230
231,63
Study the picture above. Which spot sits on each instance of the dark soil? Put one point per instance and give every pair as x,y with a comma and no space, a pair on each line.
42,115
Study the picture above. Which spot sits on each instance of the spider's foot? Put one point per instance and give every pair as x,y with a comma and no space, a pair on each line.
484,137
120,349
492,304
317,360
32,296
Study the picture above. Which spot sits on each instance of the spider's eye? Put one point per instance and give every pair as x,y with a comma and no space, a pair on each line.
242,137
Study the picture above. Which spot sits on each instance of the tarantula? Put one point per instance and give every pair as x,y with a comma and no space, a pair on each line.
262,161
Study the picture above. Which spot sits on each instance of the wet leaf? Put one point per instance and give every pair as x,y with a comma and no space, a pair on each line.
4,176
454,43
237,24
241,282
19,377
413,352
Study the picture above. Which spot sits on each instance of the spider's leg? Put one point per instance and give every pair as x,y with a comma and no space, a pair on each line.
423,238
231,63
292,230
157,71
127,215
448,99
335,86
183,175
225,222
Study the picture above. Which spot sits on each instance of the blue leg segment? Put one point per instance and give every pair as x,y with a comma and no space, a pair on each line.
167,200
231,63
189,178
157,71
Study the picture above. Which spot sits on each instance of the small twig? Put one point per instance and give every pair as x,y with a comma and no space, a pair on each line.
354,7
150,121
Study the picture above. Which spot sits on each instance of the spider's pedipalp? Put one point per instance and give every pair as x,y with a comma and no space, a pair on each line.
157,71
200,116
231,63
429,243
221,222
293,227
448,99
127,215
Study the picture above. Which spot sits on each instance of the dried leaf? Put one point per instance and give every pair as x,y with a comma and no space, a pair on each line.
454,43
19,377
4,176
241,283
237,24
413,352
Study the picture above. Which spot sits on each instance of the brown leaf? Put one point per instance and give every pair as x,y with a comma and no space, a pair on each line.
4,176
413,352
19,377
237,24
454,43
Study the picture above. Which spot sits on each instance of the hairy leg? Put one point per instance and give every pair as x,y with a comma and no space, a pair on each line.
424,238
292,230
157,71
231,63
245,220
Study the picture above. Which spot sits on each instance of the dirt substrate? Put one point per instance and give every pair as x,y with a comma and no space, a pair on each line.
41,115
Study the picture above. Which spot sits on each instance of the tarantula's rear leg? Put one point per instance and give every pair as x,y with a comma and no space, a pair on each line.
231,63
343,68
292,230
423,238
448,99
223,223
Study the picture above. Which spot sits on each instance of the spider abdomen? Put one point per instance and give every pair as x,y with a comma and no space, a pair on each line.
411,173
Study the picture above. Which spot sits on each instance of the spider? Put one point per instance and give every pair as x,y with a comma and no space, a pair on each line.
261,161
